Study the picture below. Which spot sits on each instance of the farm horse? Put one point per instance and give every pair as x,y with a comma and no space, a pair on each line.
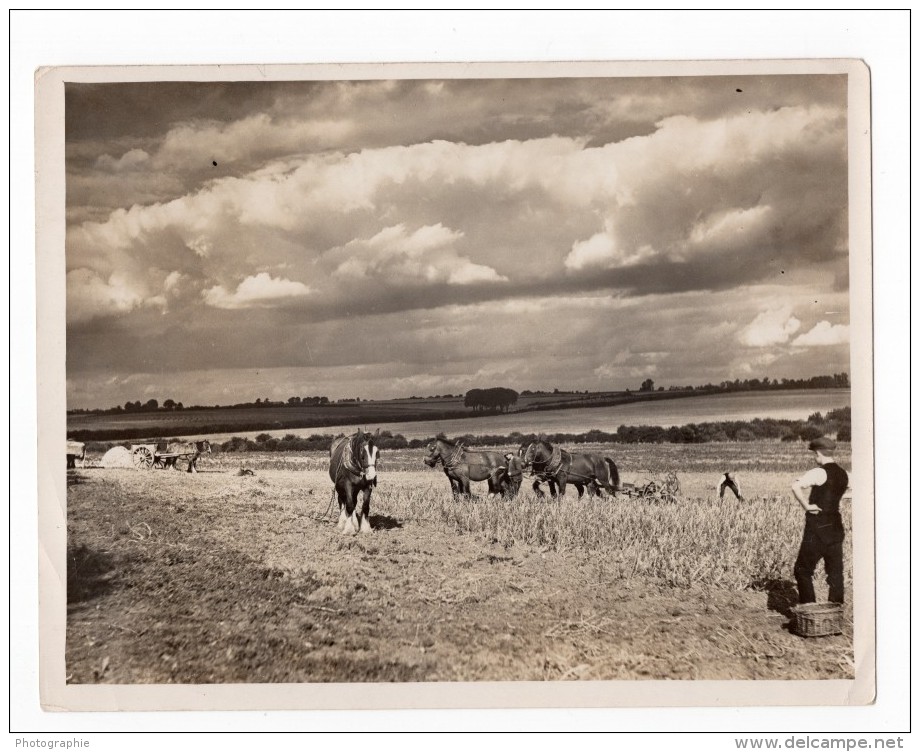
462,465
353,470
190,450
557,467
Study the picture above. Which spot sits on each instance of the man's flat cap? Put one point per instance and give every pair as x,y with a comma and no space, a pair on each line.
822,444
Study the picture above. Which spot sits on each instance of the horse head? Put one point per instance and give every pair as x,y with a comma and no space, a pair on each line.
537,451
365,452
434,454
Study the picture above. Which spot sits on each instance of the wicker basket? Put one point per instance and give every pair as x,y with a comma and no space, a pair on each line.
818,619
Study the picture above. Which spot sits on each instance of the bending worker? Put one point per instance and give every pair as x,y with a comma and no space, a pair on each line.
728,480
819,492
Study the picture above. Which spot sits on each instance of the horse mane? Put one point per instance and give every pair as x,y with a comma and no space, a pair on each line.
355,443
360,437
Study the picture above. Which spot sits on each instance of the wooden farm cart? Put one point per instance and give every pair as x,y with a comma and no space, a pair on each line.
146,456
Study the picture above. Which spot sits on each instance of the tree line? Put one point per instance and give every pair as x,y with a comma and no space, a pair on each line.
836,423
497,398
494,399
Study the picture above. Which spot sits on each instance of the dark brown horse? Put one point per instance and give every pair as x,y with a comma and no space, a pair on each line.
353,470
557,467
462,465
189,451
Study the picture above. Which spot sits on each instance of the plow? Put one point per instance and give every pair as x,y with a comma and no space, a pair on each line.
665,489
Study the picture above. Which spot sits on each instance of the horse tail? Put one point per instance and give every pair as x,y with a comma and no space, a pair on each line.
614,474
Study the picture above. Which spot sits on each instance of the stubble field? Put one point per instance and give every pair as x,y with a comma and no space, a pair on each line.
221,577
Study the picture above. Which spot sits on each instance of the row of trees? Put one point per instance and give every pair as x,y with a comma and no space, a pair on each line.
169,405
150,406
495,399
834,381
835,423
498,398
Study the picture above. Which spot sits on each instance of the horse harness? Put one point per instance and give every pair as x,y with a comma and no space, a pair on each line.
561,461
456,459
552,467
348,463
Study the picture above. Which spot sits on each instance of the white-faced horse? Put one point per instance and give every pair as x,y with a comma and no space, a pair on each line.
353,470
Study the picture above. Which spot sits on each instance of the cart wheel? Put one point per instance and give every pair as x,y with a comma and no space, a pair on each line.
143,458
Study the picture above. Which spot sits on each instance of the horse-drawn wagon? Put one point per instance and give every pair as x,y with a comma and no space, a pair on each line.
161,454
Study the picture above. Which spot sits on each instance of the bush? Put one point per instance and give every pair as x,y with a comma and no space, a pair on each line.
843,433
745,435
809,433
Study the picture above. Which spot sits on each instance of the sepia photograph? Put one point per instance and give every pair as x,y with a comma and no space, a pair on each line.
412,372
458,386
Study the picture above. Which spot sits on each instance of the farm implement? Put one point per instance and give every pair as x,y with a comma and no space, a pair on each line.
666,489
147,456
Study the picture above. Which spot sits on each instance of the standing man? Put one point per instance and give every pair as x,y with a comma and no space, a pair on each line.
819,492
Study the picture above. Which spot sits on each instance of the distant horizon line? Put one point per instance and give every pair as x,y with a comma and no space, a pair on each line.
765,384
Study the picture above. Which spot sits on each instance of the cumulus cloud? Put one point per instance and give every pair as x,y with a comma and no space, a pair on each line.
598,250
633,184
196,143
257,291
771,327
522,199
130,160
824,334
731,227
601,251
89,295
426,255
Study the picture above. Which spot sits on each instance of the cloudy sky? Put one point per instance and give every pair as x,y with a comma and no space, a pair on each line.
229,241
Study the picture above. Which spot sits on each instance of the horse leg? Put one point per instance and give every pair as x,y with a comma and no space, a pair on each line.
351,524
560,480
537,490
366,511
496,484
343,518
581,489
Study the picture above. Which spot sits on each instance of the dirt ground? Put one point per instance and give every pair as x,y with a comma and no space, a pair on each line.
215,578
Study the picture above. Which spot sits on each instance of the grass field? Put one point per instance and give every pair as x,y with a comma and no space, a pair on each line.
218,577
